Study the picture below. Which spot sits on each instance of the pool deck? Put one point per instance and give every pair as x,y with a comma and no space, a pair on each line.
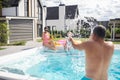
14,49
29,45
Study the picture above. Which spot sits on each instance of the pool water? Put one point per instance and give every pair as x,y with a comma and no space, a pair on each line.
114,70
58,65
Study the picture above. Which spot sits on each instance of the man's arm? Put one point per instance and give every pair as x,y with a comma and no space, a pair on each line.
78,45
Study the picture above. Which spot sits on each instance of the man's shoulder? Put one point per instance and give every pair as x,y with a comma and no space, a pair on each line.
89,43
109,44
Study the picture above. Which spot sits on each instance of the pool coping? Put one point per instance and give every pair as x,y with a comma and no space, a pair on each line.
12,76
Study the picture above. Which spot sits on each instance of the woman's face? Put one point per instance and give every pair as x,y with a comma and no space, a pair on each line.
46,30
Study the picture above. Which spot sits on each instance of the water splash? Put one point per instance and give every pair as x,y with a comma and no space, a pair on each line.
86,23
69,47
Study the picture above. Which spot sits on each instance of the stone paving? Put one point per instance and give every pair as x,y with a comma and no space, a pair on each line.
29,45
14,49
117,46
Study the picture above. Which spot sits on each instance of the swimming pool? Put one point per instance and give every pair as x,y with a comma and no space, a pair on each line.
53,65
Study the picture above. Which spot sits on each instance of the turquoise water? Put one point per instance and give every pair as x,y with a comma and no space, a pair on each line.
58,65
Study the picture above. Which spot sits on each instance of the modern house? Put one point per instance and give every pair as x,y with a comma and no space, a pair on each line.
24,19
114,25
104,23
62,17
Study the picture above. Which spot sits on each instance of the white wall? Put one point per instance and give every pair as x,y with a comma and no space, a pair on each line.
20,11
58,23
55,23
11,11
21,8
62,17
61,22
36,8
71,24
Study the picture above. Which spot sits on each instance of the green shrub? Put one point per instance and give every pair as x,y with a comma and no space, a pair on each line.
2,48
18,43
3,33
85,33
108,34
39,40
63,34
117,30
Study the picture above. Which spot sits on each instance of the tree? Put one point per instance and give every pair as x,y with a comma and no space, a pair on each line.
6,3
3,33
0,8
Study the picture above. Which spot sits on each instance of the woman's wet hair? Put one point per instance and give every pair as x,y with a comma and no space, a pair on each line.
99,31
46,28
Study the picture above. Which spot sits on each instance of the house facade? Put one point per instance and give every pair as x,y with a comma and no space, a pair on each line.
62,17
114,25
104,23
24,19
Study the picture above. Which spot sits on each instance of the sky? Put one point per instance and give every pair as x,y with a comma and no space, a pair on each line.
99,9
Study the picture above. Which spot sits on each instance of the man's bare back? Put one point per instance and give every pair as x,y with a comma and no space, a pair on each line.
98,55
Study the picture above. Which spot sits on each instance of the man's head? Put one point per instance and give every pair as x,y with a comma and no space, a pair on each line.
99,31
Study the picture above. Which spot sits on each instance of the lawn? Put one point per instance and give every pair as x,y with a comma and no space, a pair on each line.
81,39
56,39
2,48
116,42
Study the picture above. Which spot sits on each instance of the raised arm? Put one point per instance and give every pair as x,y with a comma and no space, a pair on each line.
78,45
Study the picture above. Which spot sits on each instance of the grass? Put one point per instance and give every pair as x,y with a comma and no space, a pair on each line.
81,39
55,39
2,48
18,43
116,42
39,40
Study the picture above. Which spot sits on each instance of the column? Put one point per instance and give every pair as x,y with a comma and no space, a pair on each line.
113,31
8,41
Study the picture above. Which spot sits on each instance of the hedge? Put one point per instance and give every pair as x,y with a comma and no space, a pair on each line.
3,33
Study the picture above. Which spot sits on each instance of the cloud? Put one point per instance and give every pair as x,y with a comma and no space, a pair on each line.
50,2
100,9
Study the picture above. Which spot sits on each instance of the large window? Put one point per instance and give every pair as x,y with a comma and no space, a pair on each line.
39,30
52,13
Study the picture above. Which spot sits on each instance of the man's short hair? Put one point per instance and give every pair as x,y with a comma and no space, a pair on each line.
99,31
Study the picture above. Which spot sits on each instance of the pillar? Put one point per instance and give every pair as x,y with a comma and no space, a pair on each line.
113,31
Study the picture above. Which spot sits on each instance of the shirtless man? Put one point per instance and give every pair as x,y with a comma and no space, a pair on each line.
98,54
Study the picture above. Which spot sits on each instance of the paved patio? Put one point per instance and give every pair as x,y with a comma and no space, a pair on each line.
29,45
14,49
117,46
